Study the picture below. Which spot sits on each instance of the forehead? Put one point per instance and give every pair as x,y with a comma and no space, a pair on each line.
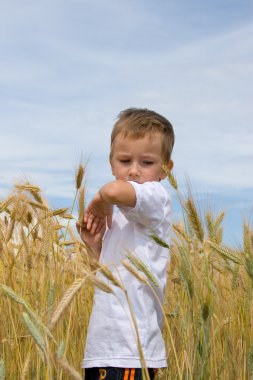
149,142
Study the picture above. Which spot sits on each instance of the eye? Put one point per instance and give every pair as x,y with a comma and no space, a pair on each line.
124,161
148,162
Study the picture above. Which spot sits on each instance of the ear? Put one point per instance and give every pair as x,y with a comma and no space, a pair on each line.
169,166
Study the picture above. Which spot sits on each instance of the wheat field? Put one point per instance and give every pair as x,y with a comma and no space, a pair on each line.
47,281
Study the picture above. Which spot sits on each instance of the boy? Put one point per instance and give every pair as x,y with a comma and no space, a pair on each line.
141,143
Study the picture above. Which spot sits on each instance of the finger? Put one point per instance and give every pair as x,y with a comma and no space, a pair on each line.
90,221
94,225
85,217
100,225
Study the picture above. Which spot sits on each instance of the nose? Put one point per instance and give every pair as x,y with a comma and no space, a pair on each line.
134,170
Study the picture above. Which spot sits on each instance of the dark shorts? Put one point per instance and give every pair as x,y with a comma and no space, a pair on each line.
112,373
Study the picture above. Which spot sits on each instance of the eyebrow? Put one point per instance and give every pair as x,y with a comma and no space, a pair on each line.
146,155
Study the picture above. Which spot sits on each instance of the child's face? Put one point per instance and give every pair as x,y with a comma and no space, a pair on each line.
138,160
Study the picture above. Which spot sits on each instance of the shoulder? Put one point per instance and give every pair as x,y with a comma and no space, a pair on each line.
152,204
150,190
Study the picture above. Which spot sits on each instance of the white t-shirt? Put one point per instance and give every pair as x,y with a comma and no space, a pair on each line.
111,339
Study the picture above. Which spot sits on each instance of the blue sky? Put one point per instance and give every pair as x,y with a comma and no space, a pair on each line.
68,67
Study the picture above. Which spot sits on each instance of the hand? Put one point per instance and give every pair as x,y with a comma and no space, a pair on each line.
93,241
97,212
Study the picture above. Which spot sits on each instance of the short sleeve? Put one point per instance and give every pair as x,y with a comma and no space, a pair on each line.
151,199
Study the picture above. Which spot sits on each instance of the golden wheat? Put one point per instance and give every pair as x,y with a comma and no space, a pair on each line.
79,176
208,302
65,301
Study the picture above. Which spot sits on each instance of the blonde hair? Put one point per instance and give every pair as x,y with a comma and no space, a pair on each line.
138,122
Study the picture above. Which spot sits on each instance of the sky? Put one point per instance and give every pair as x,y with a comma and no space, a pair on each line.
67,68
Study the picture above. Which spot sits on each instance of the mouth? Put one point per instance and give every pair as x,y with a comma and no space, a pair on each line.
133,180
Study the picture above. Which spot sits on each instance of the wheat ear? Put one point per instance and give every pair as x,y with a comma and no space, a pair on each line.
108,274
65,301
15,297
100,284
51,297
38,198
180,232
134,271
171,177
246,239
68,368
159,241
6,203
219,220
139,264
67,216
79,176
194,219
58,211
39,340
225,252
81,205
28,187
10,230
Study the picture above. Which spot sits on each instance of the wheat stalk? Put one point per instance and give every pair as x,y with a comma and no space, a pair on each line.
2,369
26,366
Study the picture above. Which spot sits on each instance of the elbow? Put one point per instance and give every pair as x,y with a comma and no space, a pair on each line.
110,192
119,193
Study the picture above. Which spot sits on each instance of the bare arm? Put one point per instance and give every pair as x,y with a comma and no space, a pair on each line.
118,193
